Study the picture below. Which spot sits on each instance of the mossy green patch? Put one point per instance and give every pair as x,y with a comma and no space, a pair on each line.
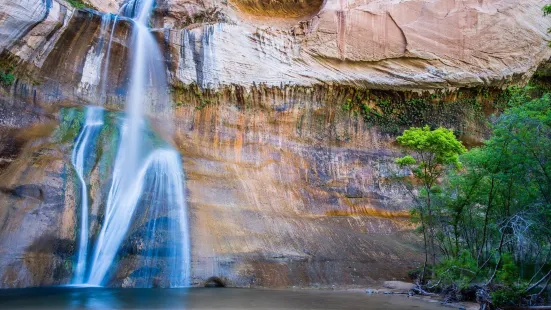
393,112
79,4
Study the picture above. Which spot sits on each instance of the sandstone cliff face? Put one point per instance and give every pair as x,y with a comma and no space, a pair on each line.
383,44
286,177
404,45
292,197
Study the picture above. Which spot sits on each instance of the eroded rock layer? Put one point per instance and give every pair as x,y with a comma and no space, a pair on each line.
285,114
403,45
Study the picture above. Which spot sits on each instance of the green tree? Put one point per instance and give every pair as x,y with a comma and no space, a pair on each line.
492,217
432,152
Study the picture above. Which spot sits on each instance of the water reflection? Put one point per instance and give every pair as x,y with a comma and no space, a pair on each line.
100,299
200,298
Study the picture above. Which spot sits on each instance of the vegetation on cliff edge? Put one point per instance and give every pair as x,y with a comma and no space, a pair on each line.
6,78
486,213
79,4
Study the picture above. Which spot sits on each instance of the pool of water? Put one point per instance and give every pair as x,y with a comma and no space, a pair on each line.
200,298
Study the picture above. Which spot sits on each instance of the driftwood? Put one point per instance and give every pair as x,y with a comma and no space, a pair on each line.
539,282
484,299
418,289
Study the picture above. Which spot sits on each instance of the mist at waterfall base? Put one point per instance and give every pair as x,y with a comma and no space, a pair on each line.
146,189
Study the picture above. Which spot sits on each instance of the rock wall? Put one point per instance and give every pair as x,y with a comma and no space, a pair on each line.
279,195
287,172
292,196
377,44
400,45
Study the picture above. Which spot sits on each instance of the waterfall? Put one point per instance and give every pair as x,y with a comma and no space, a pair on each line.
145,175
163,163
105,70
81,151
105,21
159,175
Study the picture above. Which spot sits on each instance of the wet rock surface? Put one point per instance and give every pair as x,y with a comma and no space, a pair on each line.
287,181
262,195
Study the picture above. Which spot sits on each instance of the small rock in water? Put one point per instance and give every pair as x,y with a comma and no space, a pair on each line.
370,291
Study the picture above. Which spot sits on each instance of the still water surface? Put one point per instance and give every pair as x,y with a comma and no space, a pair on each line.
201,298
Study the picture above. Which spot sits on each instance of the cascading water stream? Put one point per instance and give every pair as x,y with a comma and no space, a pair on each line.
125,191
164,183
81,151
105,70
92,124
142,168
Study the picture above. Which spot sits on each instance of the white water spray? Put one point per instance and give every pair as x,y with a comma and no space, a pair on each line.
81,151
92,125
138,170
165,183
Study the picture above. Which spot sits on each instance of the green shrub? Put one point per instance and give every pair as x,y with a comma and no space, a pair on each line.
459,270
347,105
508,273
6,79
507,296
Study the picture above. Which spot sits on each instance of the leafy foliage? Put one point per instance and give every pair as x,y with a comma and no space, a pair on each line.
489,208
507,296
6,79
436,149
457,270
433,151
